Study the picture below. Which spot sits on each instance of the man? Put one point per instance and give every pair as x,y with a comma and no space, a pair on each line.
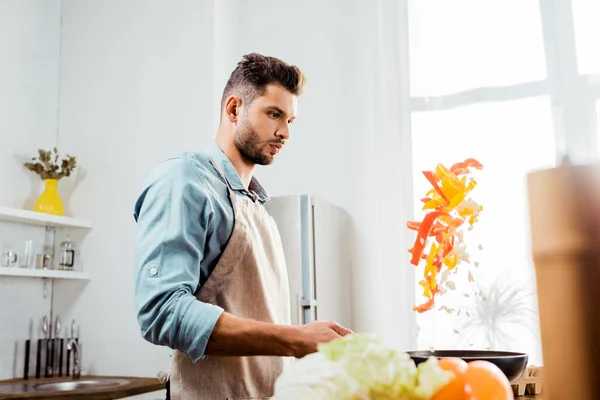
210,274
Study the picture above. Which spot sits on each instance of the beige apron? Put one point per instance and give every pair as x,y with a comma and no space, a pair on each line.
249,281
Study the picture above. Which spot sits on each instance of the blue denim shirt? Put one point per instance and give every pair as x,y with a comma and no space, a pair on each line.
184,221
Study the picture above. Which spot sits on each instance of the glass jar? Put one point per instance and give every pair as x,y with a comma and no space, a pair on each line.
67,255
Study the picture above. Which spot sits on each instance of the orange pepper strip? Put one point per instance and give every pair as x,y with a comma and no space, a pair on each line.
432,178
429,284
428,305
430,272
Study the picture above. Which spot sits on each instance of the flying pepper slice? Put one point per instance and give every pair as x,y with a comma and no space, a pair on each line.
422,235
431,177
462,168
448,209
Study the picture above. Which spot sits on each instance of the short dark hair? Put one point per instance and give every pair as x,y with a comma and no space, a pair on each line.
255,71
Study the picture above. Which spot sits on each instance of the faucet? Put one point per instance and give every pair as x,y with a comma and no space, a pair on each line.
73,345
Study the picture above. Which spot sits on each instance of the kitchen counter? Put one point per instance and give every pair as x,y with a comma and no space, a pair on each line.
21,388
134,386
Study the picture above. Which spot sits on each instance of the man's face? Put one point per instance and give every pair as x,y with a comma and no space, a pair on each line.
264,125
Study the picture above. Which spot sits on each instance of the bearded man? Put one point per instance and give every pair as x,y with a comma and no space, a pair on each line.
210,275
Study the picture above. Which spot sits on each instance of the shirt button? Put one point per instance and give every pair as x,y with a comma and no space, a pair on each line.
153,271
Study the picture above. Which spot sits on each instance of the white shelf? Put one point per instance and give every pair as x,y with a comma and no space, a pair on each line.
36,218
44,273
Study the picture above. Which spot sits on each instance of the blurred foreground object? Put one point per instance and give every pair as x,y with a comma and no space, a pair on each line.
564,206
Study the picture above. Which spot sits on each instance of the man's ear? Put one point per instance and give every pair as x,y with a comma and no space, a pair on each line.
233,107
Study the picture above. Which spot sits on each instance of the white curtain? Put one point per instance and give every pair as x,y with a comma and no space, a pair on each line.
384,177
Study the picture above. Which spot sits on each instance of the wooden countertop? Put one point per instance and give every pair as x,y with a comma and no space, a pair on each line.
135,386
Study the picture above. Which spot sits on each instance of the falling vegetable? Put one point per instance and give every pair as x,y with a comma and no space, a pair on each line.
449,211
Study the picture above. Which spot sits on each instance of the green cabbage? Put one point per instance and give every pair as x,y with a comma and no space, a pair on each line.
360,367
315,377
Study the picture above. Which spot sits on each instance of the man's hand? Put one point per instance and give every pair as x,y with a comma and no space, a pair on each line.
235,336
310,335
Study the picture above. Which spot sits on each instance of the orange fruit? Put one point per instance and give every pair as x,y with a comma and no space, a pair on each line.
485,381
454,389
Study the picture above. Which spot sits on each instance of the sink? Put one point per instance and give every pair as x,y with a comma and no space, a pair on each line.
80,384
66,384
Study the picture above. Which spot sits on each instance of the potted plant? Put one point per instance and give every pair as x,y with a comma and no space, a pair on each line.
51,168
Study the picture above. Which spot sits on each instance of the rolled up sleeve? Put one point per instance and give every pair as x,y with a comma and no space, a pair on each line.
173,215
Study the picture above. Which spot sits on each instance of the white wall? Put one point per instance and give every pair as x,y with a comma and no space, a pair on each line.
29,44
141,80
136,88
29,41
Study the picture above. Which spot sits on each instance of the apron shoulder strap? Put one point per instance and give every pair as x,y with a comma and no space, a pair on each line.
221,173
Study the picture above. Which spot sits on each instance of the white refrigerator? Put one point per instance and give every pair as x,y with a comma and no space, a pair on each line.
317,239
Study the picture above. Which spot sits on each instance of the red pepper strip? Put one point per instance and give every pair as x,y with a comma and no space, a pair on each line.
456,222
431,177
461,168
437,263
426,199
425,306
448,246
423,234
460,171
438,231
471,162
439,227
435,231
413,225
423,255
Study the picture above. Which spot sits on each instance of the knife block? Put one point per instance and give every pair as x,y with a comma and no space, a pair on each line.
564,206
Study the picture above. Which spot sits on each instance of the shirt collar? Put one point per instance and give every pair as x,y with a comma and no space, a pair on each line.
232,177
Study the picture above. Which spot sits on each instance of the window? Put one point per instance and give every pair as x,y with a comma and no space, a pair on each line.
465,44
586,14
509,139
493,81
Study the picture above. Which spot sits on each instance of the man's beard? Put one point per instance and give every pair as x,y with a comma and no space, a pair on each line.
250,146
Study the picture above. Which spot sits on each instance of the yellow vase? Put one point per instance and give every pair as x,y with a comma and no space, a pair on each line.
49,201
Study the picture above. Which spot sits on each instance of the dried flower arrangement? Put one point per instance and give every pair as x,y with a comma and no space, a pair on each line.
47,164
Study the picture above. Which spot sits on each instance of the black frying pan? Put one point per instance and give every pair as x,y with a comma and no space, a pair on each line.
512,364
